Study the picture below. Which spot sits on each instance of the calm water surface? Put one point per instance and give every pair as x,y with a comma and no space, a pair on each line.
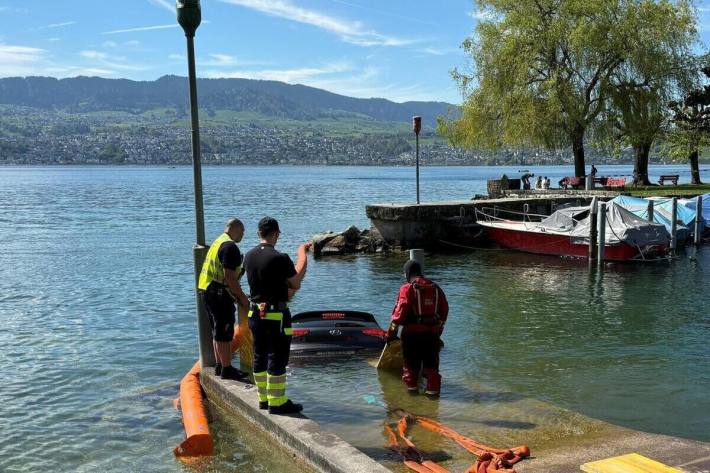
97,319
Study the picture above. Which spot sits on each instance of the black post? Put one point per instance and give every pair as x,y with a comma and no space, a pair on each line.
417,125
189,16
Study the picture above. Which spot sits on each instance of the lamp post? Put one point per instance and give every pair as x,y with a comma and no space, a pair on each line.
417,126
189,16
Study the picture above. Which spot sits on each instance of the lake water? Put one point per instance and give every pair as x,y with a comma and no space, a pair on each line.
97,319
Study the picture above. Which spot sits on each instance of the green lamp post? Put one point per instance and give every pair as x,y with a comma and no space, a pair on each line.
189,15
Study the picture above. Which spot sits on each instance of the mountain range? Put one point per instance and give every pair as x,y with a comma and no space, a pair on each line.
269,98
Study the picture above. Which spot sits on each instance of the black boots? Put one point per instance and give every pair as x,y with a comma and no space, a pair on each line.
287,408
230,372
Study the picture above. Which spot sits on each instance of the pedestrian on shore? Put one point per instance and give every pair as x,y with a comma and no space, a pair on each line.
271,275
546,183
421,310
593,172
538,183
219,289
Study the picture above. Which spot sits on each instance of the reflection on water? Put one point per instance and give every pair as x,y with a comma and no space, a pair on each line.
98,324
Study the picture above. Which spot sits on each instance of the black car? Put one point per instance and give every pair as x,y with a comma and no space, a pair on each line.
335,332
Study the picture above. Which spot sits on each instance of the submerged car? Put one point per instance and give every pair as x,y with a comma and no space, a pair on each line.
332,333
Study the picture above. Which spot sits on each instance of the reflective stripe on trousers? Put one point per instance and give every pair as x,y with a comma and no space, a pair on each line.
276,389
260,379
277,317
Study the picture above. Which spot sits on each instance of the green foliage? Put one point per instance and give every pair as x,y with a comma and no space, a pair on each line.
546,70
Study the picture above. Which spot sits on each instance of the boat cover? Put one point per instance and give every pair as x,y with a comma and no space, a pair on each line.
621,226
691,204
662,211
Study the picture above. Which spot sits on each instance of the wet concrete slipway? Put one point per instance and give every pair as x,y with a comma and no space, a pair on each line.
561,440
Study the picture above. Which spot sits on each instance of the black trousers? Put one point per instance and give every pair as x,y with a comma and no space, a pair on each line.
271,346
421,349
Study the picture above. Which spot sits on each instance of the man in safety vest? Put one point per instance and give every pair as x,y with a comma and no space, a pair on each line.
219,288
272,277
421,310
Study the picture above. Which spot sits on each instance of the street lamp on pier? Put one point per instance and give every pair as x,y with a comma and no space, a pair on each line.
189,16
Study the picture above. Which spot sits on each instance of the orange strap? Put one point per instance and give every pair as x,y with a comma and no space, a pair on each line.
490,460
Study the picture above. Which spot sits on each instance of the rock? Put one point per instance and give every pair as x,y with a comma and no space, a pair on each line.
320,240
350,241
352,234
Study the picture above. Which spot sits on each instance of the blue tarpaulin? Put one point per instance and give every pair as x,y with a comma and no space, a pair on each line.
662,210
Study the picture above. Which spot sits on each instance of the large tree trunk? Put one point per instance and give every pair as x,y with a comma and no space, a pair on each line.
641,164
694,168
578,151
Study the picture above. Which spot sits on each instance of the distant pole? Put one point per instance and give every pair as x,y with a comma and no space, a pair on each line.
674,224
417,125
602,232
650,211
698,219
189,15
418,256
593,211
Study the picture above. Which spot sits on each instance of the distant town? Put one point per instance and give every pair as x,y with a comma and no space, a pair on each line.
31,136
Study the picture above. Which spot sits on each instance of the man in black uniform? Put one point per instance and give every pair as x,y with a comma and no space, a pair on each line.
271,275
219,288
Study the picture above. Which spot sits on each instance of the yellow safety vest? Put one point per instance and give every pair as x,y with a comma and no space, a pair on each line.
212,269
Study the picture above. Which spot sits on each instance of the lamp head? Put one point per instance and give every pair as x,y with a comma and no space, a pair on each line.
417,124
189,15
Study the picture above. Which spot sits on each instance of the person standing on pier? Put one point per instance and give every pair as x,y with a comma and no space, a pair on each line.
421,310
219,288
272,276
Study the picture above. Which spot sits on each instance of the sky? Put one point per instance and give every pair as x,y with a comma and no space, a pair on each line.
395,49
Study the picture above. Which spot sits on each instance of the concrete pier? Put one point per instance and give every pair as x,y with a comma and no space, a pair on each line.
307,441
427,224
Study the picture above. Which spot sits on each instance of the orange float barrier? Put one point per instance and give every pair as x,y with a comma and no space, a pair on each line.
194,418
198,441
490,459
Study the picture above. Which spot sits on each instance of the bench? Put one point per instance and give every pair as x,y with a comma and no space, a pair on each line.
615,183
573,182
600,180
669,177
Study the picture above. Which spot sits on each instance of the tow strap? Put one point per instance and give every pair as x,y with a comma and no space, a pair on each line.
489,460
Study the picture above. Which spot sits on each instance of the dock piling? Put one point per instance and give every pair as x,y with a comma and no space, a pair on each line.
698,218
418,256
602,232
674,224
593,209
650,211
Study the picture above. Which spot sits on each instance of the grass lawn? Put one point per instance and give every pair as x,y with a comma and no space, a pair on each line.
667,191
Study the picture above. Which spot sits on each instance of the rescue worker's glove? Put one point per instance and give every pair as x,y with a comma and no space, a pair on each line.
391,333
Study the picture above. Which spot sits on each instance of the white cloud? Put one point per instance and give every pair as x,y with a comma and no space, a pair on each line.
132,43
113,62
28,61
109,44
433,51
352,32
59,25
54,40
341,78
176,57
143,28
298,75
164,4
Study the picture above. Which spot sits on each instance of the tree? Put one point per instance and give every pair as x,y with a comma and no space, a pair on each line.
655,67
690,129
543,71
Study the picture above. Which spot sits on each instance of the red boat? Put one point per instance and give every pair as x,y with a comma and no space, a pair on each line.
566,233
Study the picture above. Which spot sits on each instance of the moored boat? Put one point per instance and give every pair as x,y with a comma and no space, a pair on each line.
566,233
